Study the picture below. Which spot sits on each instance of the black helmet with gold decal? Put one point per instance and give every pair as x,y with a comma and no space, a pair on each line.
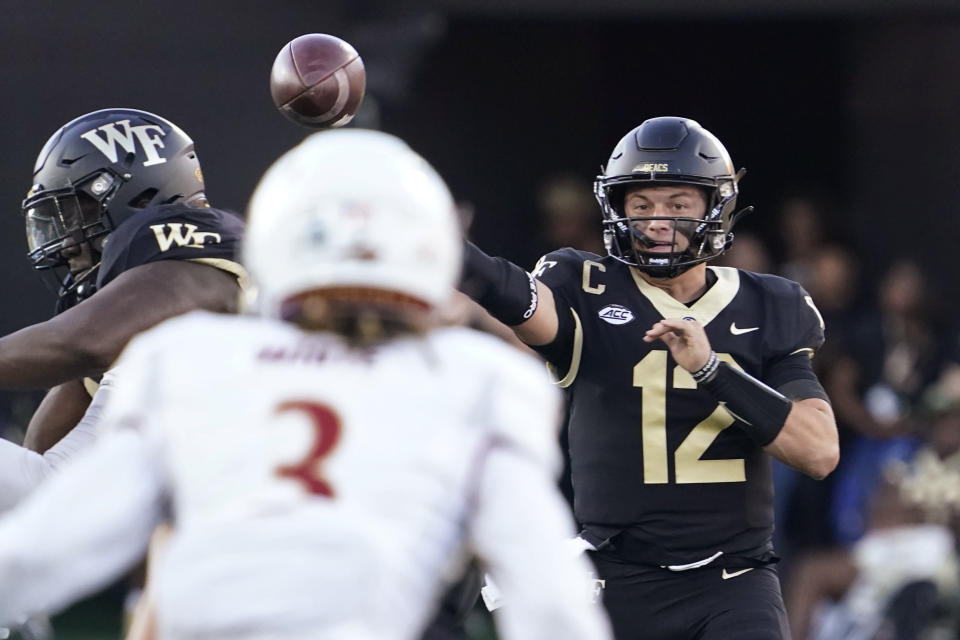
669,150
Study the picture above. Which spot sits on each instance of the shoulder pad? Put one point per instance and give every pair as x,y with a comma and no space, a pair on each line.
170,232
800,325
555,267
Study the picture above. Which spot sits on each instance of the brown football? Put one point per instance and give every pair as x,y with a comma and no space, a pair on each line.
318,81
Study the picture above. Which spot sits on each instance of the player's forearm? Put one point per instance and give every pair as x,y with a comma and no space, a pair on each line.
808,441
21,471
50,353
510,294
44,567
801,433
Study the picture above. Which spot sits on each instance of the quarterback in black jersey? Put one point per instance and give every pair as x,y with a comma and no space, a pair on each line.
681,381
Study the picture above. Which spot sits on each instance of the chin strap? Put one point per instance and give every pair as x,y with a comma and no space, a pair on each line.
76,289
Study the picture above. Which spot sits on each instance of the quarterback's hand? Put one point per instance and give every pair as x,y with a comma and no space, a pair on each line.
686,340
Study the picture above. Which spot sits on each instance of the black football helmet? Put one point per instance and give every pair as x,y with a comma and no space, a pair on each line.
93,174
669,150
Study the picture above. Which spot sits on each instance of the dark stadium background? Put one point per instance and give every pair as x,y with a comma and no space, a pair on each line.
857,101
856,98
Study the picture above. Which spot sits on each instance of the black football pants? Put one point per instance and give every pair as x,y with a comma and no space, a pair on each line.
711,603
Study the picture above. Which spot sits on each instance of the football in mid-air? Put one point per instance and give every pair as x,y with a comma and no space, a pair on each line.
318,81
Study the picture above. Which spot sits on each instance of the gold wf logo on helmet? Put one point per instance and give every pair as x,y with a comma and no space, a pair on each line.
122,134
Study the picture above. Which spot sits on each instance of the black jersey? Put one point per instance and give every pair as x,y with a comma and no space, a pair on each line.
651,454
173,232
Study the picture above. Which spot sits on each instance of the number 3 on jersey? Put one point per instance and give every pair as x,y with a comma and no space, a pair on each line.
326,429
650,374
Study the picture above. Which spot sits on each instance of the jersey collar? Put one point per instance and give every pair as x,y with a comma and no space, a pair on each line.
706,308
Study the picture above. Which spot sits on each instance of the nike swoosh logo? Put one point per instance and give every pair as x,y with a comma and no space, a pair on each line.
735,331
727,576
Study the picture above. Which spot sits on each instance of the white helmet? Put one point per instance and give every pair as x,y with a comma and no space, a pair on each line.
352,208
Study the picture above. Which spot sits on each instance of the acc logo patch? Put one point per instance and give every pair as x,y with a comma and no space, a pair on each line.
616,314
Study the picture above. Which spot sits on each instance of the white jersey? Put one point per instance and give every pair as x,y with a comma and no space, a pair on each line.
317,491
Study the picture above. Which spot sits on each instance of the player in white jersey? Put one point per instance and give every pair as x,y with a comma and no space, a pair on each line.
331,463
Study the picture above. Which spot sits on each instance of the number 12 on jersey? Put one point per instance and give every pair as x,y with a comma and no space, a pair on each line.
650,375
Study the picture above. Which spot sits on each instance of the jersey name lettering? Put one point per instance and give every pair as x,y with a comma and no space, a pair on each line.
150,137
183,234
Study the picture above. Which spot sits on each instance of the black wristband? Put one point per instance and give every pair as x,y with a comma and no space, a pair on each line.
762,410
706,370
506,291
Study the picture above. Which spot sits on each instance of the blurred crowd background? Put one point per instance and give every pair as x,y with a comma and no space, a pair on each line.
843,112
